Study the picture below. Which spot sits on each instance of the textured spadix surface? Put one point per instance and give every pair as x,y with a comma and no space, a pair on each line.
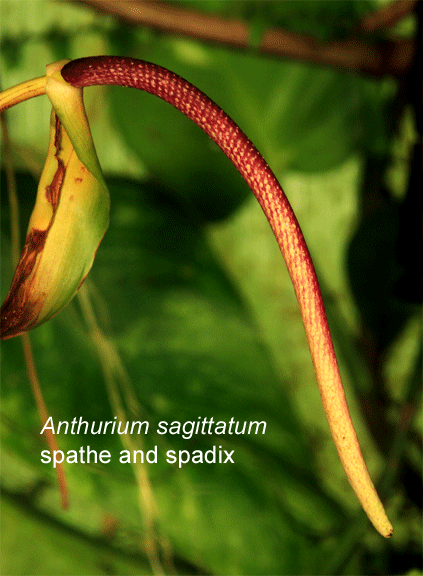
263,183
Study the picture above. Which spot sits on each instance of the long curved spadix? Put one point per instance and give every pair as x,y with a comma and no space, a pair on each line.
253,168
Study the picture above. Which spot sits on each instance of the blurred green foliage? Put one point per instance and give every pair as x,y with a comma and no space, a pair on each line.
189,290
319,19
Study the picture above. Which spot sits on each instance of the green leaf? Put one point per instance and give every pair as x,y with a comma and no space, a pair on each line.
51,549
191,350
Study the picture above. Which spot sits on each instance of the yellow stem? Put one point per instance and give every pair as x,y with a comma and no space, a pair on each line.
42,410
22,92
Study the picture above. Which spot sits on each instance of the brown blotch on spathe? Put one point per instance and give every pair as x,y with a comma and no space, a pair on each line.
53,189
20,309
